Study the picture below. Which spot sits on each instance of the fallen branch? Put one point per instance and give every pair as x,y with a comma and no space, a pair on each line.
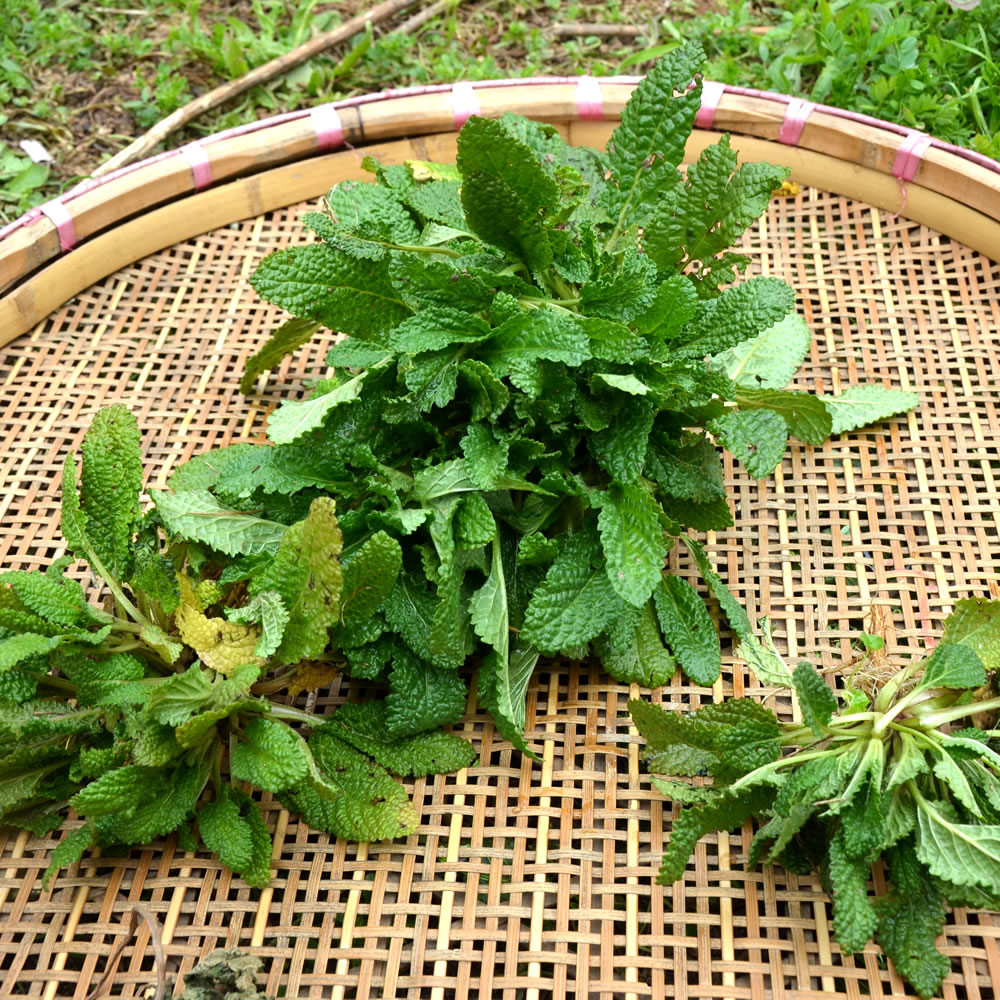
606,30
225,92
423,16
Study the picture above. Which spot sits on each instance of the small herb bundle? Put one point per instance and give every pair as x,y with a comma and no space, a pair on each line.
891,767
543,348
128,713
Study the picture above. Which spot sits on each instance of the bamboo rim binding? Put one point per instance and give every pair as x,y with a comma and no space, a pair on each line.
952,190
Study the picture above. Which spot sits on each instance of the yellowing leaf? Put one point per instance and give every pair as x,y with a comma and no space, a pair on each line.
220,644
309,676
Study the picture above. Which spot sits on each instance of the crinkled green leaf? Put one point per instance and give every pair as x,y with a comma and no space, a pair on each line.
644,660
119,792
806,416
306,574
623,293
756,437
964,853
70,849
731,608
322,283
673,307
241,469
817,701
854,919
910,918
861,405
975,623
351,796
199,516
621,448
506,194
233,828
574,602
422,697
724,813
689,469
739,314
364,726
474,521
646,148
435,327
59,599
707,214
485,457
168,801
955,665
688,629
769,360
295,418
369,577
633,543
270,756
110,483
536,334
18,648
289,337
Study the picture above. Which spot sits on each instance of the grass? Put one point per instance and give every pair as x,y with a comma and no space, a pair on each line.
84,79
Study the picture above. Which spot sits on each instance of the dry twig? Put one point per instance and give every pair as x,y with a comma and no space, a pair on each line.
225,92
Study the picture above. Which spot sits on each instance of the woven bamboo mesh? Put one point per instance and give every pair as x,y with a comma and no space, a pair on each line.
535,880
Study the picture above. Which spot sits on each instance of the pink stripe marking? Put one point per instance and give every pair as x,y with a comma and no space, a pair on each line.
201,169
589,102
909,155
704,119
464,102
57,213
329,131
711,94
796,115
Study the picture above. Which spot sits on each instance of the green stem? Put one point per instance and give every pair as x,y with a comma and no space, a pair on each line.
292,714
934,719
59,683
889,689
901,706
795,758
538,303
112,584
444,251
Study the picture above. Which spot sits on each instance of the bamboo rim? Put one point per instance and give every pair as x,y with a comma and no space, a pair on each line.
54,252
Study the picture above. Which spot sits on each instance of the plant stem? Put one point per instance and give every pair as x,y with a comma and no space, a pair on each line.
293,714
934,719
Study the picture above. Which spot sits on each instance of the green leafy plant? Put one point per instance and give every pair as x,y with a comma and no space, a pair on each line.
889,766
542,341
129,712
523,398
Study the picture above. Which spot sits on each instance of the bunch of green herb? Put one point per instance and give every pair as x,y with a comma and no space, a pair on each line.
523,398
896,765
543,346
129,712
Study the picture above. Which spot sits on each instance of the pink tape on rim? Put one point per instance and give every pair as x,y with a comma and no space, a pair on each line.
57,213
589,101
909,155
711,94
907,161
464,102
201,169
329,130
797,113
